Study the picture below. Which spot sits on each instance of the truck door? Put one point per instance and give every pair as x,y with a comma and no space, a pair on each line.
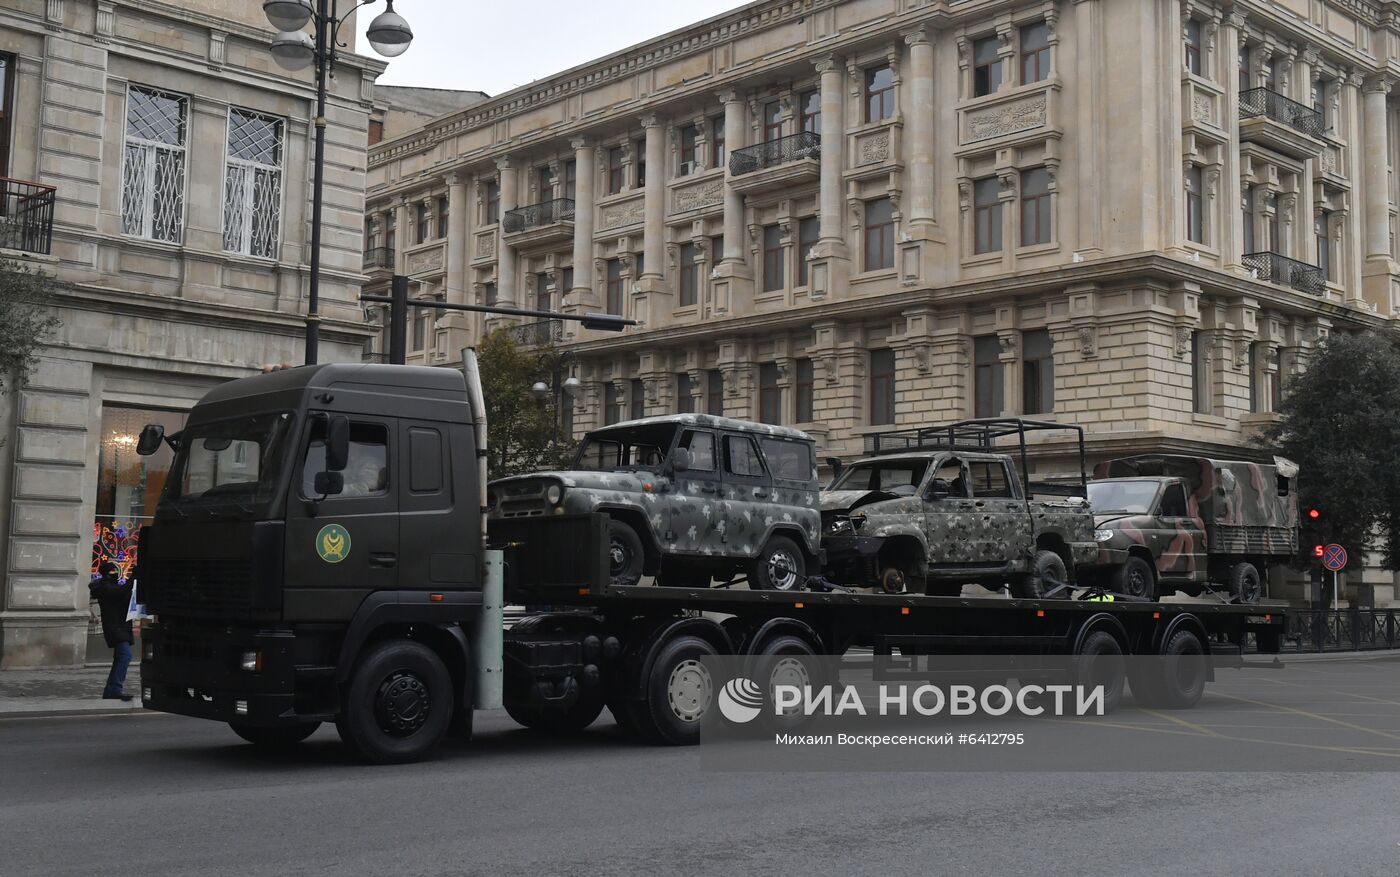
1003,528
697,488
747,488
948,523
1179,538
433,552
350,545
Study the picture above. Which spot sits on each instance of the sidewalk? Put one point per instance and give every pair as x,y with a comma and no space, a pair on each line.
72,691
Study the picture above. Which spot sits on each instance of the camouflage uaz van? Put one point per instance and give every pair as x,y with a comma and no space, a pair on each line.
689,498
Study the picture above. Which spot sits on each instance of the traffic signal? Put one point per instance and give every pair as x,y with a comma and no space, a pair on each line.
1317,550
1311,528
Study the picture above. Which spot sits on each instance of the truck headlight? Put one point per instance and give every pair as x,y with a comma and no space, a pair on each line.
554,494
1103,535
251,662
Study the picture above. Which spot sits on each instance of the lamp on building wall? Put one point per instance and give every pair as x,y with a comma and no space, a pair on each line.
293,49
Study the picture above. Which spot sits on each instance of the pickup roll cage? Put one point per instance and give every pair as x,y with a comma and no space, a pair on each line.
981,435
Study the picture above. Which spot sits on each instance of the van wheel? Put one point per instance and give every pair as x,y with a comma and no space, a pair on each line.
1047,573
398,704
625,554
1245,584
780,566
1100,662
680,690
1136,579
277,737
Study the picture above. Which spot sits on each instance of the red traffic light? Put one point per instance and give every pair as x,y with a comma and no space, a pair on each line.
1317,551
1314,514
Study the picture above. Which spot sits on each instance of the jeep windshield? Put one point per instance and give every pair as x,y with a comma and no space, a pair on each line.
229,467
1130,497
901,477
633,447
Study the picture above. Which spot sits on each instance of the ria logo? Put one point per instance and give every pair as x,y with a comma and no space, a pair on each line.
740,700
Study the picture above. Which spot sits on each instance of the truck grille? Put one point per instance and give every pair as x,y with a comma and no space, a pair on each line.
204,585
522,499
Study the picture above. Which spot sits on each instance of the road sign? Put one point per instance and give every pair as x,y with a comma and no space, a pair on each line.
1334,557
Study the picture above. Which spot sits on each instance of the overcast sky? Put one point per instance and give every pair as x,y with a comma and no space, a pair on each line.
500,44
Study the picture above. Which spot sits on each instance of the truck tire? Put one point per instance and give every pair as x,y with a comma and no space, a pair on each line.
634,720
780,566
1181,678
625,554
784,660
1100,662
569,720
1245,583
277,737
398,703
680,690
1136,578
1046,574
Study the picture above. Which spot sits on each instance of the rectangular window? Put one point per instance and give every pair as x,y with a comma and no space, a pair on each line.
612,404
544,299
881,387
544,184
1271,74
718,156
1321,229
810,103
879,234
391,225
566,283
1245,78
714,392
493,203
986,66
7,103
1256,376
616,172
637,392
420,317
788,460
1200,373
741,457
422,223
988,386
128,486
442,217
1035,53
1320,88
1037,373
685,394
153,165
376,131
772,121
689,134
716,249
1195,206
570,179
424,460
1193,46
986,216
252,184
770,395
772,258
808,233
1247,208
702,450
689,285
639,149
803,390
615,297
1271,229
879,93
488,291
1035,207
989,479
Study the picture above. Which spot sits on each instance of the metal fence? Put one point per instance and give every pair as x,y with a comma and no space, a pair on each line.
807,144
538,215
26,216
1274,268
1270,104
1337,630
379,257
540,333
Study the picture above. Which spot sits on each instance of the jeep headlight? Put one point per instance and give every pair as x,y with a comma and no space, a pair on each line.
1103,535
554,494
840,527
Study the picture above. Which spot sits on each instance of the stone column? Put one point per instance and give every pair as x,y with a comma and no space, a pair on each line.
583,295
920,125
831,266
1376,274
653,301
731,289
456,236
506,293
1353,257
402,232
1228,64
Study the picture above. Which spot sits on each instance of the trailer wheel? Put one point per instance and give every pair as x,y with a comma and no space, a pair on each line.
278,737
1181,679
1047,573
1136,579
569,720
1100,662
398,703
785,660
780,566
625,554
680,690
1245,584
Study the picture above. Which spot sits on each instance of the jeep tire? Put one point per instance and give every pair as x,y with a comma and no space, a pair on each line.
1245,584
625,554
1136,578
780,566
1047,573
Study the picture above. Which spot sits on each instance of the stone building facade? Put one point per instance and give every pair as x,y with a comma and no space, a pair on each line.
853,215
176,159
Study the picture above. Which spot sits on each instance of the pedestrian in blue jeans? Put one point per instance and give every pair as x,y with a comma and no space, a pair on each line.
114,601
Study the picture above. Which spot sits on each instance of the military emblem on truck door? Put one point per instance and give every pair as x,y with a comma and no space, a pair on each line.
333,543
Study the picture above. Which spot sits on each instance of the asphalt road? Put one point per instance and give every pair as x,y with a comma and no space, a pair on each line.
163,795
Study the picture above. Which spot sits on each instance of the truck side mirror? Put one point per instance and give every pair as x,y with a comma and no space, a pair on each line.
337,443
152,434
680,459
938,489
329,483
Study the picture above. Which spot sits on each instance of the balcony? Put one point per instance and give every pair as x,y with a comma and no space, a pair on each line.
378,259
548,222
1281,124
541,333
26,216
1274,268
777,164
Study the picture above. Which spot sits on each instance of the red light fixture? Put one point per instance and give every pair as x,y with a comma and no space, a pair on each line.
1314,514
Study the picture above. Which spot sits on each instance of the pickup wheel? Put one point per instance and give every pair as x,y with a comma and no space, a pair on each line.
1136,579
1046,574
1245,584
780,566
625,554
680,690
277,737
398,703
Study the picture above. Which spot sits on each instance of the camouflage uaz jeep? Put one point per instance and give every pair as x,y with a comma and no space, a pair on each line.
690,498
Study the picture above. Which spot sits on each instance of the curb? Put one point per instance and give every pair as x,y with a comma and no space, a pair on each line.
59,708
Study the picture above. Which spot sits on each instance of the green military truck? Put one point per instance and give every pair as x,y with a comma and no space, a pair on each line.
1167,523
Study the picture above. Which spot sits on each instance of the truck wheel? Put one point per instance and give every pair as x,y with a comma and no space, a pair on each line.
278,737
568,720
634,719
625,554
1136,579
1245,584
780,566
785,660
680,690
1047,573
1100,662
1181,679
398,704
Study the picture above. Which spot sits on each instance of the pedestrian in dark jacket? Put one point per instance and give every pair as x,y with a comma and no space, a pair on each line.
114,601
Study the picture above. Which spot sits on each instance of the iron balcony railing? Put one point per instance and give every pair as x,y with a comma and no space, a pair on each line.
539,215
379,257
1270,104
541,333
26,216
808,144
1274,268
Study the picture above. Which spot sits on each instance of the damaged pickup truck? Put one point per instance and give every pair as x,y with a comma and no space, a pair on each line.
930,509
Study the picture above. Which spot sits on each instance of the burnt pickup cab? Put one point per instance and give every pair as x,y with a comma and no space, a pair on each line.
689,498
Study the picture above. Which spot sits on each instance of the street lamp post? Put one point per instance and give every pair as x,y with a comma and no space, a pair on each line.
293,49
561,389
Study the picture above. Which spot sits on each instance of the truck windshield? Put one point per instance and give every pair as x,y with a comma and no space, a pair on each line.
1133,497
645,447
891,476
234,461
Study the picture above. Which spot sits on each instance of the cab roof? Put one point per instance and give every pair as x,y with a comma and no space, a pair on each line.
710,421
345,376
